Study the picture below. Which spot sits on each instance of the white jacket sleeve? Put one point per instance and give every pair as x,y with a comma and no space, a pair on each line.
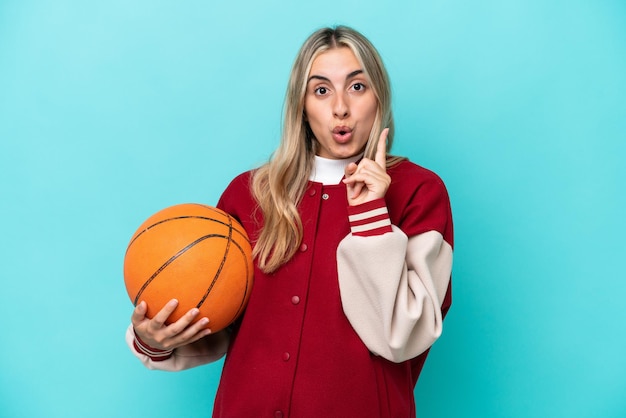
204,351
392,288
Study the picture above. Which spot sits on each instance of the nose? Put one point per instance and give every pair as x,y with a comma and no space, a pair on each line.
341,108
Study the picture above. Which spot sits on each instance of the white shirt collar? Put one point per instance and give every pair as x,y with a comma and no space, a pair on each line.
328,171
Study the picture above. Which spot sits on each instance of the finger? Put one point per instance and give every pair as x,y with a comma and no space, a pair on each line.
188,334
354,172
159,319
200,334
356,190
181,324
367,174
199,327
381,149
139,313
350,169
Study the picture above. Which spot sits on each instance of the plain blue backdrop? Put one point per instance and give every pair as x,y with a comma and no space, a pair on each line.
112,110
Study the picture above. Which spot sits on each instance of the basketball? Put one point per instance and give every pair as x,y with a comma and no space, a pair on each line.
195,253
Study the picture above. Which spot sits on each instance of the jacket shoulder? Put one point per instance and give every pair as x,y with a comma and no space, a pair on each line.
407,171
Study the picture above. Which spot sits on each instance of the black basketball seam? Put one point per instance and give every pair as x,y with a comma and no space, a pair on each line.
243,253
242,304
219,270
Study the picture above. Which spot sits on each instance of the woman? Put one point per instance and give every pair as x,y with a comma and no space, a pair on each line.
353,255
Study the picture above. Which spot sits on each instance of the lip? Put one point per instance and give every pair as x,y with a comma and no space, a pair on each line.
342,134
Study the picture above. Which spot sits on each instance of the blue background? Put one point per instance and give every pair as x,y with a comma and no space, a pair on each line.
112,110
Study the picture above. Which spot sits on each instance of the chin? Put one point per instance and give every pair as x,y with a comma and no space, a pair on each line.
341,156
339,152
345,153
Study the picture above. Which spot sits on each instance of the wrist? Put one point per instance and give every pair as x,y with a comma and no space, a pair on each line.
155,354
370,218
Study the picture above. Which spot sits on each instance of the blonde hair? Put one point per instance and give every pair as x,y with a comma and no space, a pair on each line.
278,185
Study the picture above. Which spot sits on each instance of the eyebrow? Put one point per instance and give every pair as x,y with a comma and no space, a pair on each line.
349,76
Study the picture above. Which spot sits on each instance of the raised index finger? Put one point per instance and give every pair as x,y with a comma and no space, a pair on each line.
381,149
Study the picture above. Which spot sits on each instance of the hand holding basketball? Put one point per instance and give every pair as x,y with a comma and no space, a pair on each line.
157,334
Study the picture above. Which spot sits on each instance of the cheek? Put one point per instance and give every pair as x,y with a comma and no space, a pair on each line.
368,106
369,111
313,114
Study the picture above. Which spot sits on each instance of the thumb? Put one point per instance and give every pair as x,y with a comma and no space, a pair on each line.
139,314
350,169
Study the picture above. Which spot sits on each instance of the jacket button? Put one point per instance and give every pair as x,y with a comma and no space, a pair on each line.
325,196
312,192
304,247
278,414
295,300
286,356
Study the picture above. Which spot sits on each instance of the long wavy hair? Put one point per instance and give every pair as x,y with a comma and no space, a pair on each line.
279,184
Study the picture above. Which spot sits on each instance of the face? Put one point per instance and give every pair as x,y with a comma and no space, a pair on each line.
339,104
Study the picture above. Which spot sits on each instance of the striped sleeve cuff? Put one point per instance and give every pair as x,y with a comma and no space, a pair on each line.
369,218
155,354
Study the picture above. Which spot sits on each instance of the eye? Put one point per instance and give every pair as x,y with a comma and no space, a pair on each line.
358,87
321,91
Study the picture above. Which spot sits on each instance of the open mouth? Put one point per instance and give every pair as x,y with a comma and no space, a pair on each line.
342,133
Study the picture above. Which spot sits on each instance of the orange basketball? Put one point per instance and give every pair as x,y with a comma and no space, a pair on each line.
197,254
